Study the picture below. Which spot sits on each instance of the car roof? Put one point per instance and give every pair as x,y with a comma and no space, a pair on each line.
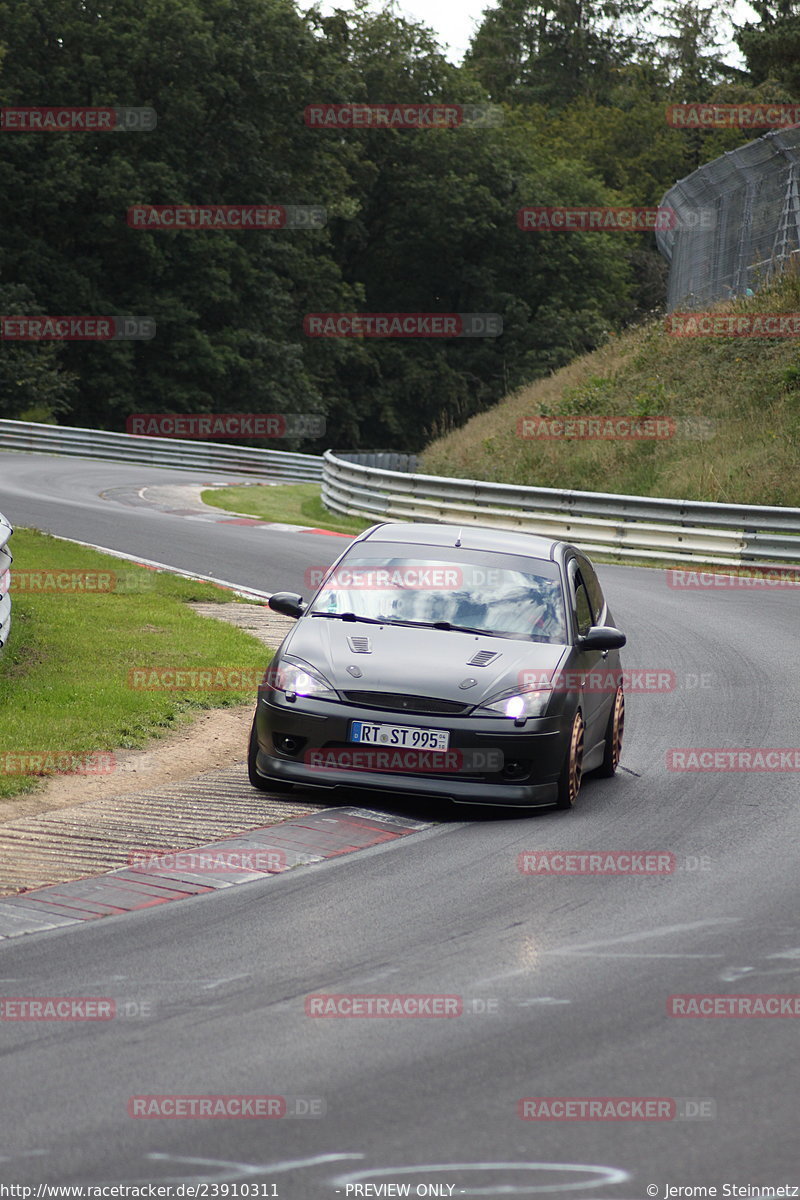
472,537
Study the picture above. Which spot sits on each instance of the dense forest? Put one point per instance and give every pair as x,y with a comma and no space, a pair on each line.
416,220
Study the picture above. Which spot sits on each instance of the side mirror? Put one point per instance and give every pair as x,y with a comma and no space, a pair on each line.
288,603
602,637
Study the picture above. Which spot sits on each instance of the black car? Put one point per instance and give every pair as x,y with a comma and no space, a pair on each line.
469,663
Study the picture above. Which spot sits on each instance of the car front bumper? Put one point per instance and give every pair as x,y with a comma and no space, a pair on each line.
530,757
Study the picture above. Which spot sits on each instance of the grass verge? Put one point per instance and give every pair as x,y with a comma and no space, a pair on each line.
746,390
294,503
65,686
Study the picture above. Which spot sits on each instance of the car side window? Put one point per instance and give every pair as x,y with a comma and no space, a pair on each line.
583,609
595,592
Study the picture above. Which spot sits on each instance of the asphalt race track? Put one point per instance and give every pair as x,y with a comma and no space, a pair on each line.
563,980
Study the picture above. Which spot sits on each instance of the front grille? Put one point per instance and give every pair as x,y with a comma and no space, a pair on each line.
395,753
400,702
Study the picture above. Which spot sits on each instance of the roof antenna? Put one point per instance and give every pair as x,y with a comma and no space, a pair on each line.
458,539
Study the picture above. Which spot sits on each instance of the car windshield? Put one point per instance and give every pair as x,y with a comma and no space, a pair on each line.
486,593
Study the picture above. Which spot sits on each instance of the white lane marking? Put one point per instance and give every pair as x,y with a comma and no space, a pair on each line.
150,562
540,1000
607,1175
359,980
734,973
503,975
208,987
611,954
239,1170
658,931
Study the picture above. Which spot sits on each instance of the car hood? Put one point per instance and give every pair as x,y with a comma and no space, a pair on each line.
418,662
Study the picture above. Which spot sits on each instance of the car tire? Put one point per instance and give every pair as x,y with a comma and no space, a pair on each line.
258,781
569,781
614,732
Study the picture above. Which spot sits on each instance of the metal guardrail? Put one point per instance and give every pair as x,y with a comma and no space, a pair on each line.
5,581
642,527
157,452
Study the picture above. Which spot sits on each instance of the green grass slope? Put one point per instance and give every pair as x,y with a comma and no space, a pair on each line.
746,389
65,682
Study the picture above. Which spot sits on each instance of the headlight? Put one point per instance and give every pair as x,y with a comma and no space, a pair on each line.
521,704
299,679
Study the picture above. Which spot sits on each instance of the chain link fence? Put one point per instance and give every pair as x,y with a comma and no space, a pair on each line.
737,222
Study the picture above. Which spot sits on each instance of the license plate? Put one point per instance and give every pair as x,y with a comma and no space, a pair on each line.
407,736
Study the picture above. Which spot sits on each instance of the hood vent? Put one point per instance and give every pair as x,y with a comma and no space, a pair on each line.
483,658
360,645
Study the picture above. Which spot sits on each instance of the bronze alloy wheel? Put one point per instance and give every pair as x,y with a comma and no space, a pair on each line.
614,732
570,782
618,728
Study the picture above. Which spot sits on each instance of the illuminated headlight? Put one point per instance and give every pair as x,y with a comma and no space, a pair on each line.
299,679
522,704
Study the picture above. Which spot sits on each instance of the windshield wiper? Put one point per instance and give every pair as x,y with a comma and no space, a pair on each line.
465,629
514,635
446,625
442,625
349,616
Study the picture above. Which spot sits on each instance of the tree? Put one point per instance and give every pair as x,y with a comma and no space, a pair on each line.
771,47
552,51
690,50
418,220
433,229
33,383
229,80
